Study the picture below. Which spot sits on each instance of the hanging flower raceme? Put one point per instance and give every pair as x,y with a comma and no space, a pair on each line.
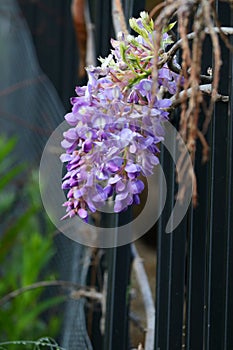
116,125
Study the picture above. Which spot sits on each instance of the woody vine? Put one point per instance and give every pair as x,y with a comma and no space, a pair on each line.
117,118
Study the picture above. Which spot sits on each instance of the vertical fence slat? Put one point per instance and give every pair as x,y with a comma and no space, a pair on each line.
103,26
116,322
170,271
118,289
195,303
164,258
219,208
196,242
178,287
228,334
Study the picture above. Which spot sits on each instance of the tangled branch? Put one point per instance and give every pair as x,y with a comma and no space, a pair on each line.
201,16
77,290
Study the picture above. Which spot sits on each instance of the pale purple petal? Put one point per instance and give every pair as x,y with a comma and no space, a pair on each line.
136,186
120,186
114,180
70,135
82,213
121,196
66,157
132,168
71,119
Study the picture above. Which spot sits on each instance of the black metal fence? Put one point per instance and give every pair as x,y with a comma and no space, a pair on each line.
194,263
194,271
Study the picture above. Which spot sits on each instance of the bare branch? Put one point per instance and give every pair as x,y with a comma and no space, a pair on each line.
156,9
118,17
168,56
224,30
205,149
78,16
136,320
147,298
90,54
91,294
41,284
205,89
204,79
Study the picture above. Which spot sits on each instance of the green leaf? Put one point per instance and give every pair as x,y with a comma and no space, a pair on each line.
141,31
123,51
6,147
24,251
31,315
33,264
169,27
6,202
147,22
9,237
10,175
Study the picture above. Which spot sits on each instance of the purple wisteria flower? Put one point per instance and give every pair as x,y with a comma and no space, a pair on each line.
116,126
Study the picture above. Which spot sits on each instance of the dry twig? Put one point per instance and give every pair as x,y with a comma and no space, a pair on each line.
42,284
199,16
147,298
118,17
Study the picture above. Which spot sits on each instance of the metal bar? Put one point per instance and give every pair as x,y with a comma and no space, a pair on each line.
228,307
110,293
178,286
209,241
164,260
171,266
195,302
189,282
217,235
196,247
103,28
119,264
217,222
228,319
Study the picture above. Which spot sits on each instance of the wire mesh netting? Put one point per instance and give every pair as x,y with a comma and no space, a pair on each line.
30,109
30,106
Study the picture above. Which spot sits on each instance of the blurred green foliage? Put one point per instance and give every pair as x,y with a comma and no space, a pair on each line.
26,249
43,343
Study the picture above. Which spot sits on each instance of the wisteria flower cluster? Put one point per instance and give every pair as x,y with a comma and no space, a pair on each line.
116,124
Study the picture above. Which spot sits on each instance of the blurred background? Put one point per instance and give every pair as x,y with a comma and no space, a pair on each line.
40,58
